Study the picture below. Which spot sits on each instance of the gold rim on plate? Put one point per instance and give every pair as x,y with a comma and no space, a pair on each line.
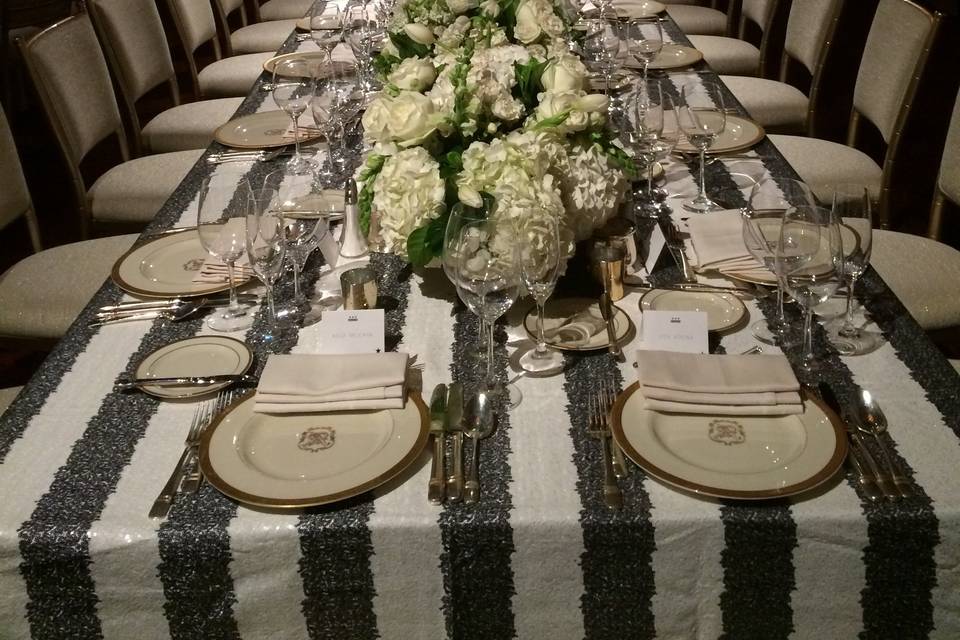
717,324
748,133
675,56
623,325
414,402
268,65
268,126
672,474
237,347
167,239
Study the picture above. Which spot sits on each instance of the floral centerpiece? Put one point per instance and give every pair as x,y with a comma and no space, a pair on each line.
484,104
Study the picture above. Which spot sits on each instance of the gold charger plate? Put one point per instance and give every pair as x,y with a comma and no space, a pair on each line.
196,356
165,267
317,56
559,311
739,457
262,130
725,311
671,56
291,461
738,134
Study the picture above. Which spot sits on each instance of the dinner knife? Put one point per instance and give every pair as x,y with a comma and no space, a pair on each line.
184,381
454,418
438,408
606,310
162,303
869,481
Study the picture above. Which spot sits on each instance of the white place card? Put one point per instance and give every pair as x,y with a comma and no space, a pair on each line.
351,332
684,331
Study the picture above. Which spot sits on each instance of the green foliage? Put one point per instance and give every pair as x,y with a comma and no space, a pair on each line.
528,82
365,197
426,243
620,158
552,121
384,64
508,16
407,47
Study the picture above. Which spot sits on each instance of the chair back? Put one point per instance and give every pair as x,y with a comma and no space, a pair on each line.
768,18
948,180
196,25
14,195
222,9
71,77
810,29
136,48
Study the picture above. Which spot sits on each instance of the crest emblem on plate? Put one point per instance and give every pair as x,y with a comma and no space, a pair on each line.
727,432
317,439
193,265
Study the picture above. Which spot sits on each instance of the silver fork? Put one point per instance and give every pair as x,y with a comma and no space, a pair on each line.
612,496
675,244
192,474
161,506
607,396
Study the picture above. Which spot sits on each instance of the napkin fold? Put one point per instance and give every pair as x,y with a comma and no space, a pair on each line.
716,243
578,329
214,270
312,383
718,384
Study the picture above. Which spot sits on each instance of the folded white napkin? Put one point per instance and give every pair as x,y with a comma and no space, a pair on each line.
716,243
718,384
214,271
578,329
306,132
312,383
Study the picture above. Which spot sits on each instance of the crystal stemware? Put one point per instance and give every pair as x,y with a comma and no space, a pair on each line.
648,116
333,92
810,257
539,267
360,32
460,216
223,236
701,119
645,36
326,26
601,52
293,82
265,245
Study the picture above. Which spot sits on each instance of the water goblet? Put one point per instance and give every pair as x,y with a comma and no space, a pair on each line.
539,267
645,37
326,26
649,118
265,246
601,52
223,236
293,81
701,120
460,216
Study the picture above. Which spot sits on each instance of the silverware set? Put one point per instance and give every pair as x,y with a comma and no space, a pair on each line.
613,461
674,240
221,157
451,415
174,309
186,476
878,481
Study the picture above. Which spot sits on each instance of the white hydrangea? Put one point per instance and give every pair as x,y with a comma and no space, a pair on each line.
536,18
407,193
491,78
593,188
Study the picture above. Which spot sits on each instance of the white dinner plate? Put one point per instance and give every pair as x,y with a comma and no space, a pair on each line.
738,134
328,203
671,56
628,9
560,311
308,459
262,130
741,457
724,310
620,80
165,268
314,56
197,356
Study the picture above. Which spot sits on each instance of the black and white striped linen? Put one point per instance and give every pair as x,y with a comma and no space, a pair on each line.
539,558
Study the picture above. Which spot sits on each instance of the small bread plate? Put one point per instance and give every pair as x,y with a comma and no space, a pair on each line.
264,130
738,134
165,267
291,461
311,56
575,324
725,311
738,457
197,356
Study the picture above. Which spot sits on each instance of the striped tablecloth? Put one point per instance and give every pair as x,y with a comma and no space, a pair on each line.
539,557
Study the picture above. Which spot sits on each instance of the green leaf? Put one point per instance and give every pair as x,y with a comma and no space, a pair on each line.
384,64
528,81
436,230
365,204
407,47
418,251
552,121
508,16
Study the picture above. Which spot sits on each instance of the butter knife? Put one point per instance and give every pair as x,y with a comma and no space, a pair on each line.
454,418
192,381
438,409
868,480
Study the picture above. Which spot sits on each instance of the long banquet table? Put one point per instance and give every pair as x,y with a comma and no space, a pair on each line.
539,557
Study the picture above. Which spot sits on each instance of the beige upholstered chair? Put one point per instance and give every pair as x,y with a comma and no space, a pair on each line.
254,38
693,19
77,96
893,59
136,49
41,295
924,273
284,9
781,107
7,396
737,56
225,77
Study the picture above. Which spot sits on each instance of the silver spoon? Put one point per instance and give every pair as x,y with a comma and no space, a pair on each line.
871,420
175,314
477,426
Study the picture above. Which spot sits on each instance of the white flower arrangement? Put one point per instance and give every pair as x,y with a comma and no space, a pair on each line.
484,104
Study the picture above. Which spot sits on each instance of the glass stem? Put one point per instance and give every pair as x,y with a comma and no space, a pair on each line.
650,179
781,318
234,304
490,381
808,336
703,174
270,307
541,342
296,136
296,277
848,328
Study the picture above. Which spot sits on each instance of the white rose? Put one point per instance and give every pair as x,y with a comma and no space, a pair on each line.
408,119
419,33
461,6
413,74
490,8
582,109
565,73
528,27
469,196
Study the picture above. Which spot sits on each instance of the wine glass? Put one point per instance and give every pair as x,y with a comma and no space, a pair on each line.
488,277
701,121
853,210
359,31
293,82
265,246
460,216
810,257
601,51
767,203
645,36
539,267
326,26
648,116
224,237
